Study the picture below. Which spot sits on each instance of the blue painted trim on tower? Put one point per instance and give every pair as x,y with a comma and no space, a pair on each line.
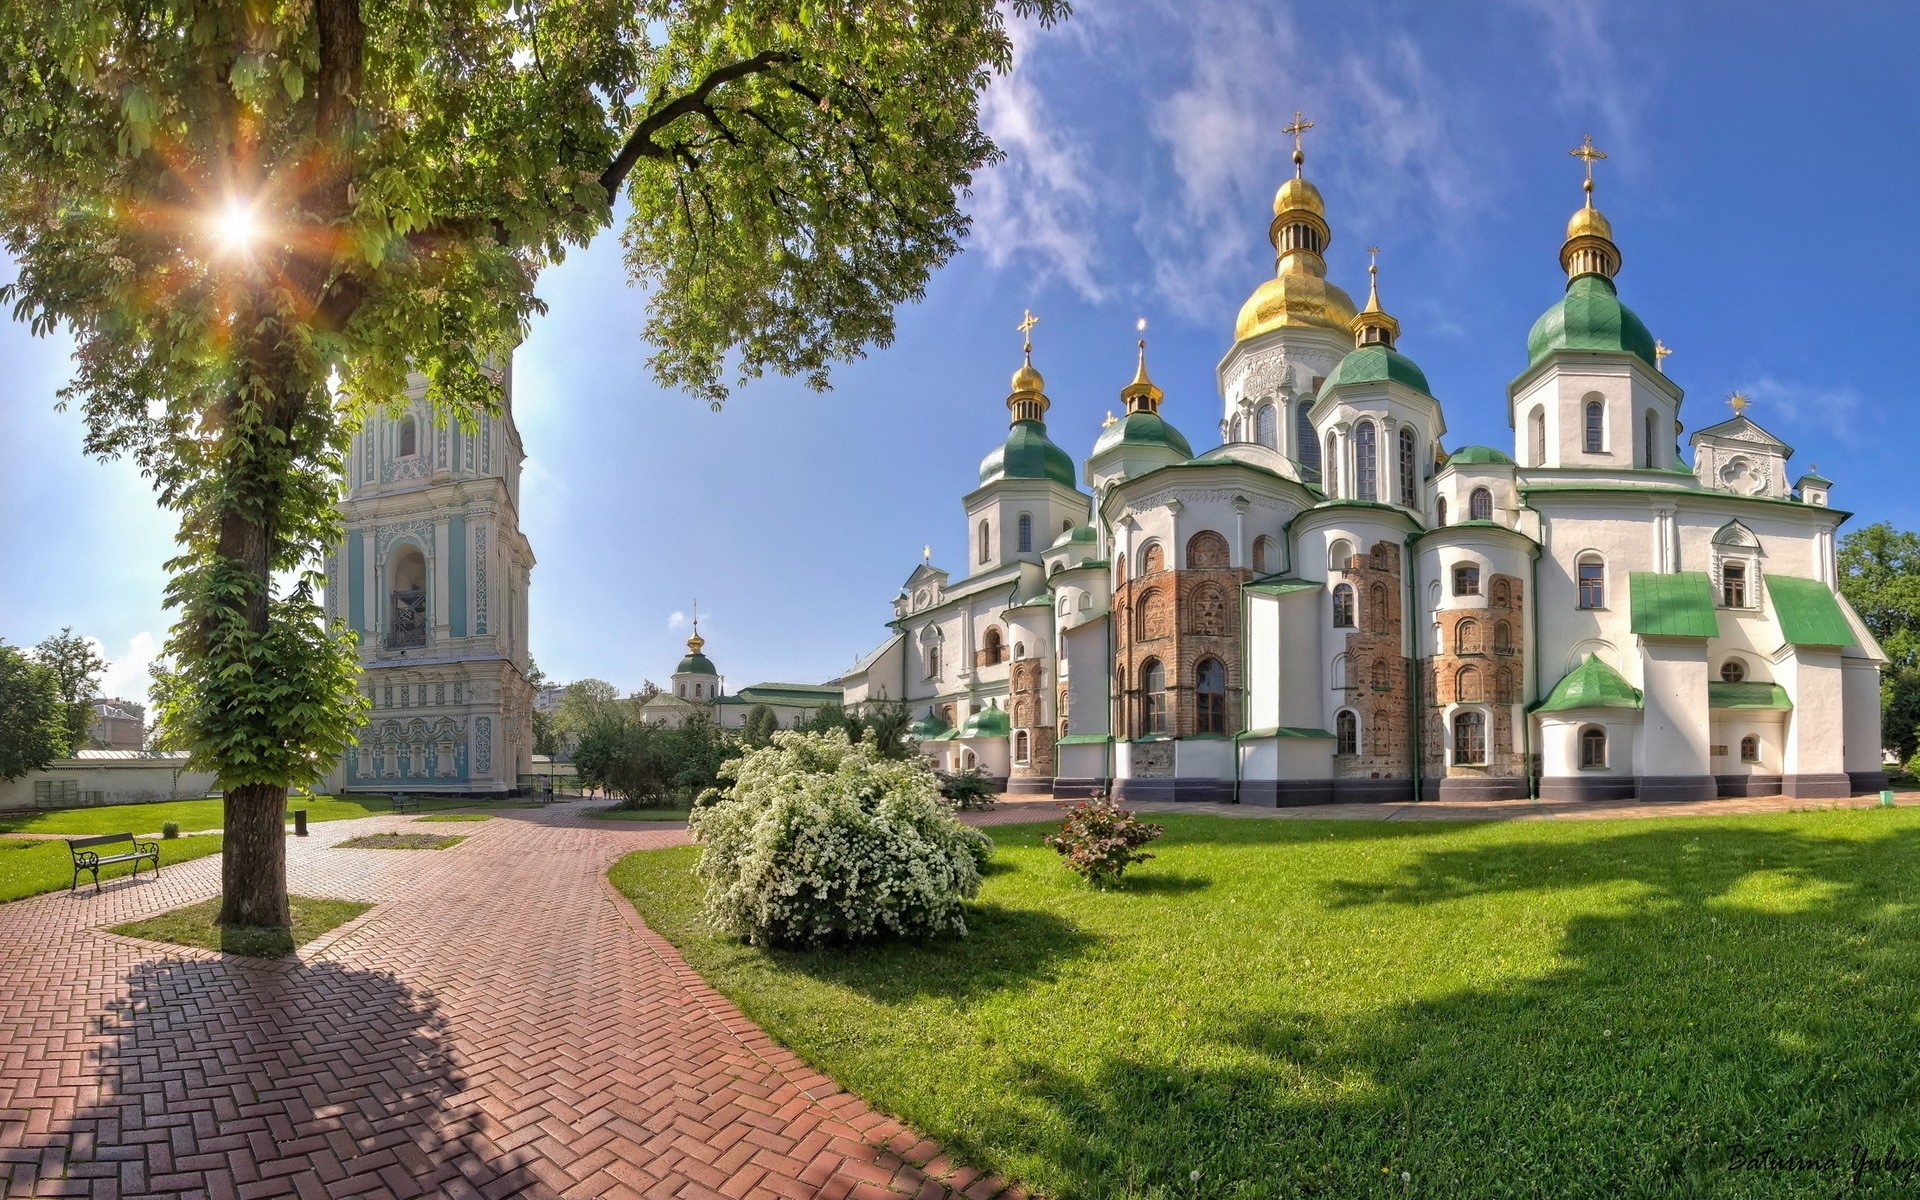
457,575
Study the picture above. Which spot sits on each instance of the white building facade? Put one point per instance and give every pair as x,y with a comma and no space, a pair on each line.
1329,606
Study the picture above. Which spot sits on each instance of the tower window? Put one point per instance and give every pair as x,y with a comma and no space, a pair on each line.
1409,473
1306,439
986,547
1469,739
1440,511
1596,426
1026,533
1649,438
1539,424
1210,697
1366,454
1593,583
1330,467
1466,580
1267,426
1733,584
1480,505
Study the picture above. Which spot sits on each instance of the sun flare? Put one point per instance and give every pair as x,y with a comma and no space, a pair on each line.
235,227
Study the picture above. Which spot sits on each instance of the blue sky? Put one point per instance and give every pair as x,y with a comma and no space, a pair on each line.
1761,184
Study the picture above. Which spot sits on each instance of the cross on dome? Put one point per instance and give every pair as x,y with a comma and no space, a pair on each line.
1589,154
1300,125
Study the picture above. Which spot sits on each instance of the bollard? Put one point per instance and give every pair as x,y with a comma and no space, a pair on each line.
1886,798
299,822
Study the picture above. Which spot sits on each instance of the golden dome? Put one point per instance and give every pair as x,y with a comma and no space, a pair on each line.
1295,299
1589,221
1026,379
1296,194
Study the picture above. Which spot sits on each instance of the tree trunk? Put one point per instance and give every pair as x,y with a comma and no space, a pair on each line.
253,859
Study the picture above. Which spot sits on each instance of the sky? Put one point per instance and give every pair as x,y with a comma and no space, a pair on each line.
1760,181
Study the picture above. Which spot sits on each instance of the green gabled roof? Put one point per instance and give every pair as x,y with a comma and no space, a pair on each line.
1142,429
1592,684
790,693
1084,739
1028,454
1377,364
1747,695
1809,614
988,722
1288,731
1280,587
1589,317
1471,456
1675,605
1815,477
1079,533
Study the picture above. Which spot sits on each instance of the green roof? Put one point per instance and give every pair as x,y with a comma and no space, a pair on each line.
1280,587
1028,454
1377,364
1589,317
695,664
1809,614
988,722
791,693
1747,695
1469,456
1815,477
927,727
1675,605
1079,533
1287,731
1592,684
1142,429
1084,739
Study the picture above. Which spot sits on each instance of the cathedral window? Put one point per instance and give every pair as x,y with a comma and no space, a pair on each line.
986,546
1733,671
1306,439
1207,550
1466,637
1019,650
1749,749
1266,424
1343,606
1330,467
1264,561
1366,462
1346,733
1440,511
1152,559
1466,686
408,437
1409,471
933,662
683,691
1020,744
1596,427
1733,584
1382,676
1480,505
1466,580
1026,533
1469,739
1338,553
1153,697
407,615
1593,581
1651,438
1210,696
992,648
1538,424
1593,748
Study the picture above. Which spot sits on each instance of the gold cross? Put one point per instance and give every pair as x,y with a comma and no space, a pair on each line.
1026,326
1660,352
1588,153
1300,125
1739,401
1373,260
1111,419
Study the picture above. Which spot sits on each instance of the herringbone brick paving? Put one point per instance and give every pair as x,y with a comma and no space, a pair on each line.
501,1023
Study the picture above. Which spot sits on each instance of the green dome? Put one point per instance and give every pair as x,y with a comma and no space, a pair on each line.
695,664
1079,533
988,722
1142,429
1592,684
1471,456
1027,454
1377,364
1589,317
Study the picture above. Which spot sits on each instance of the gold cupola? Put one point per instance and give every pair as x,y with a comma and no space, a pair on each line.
1374,326
1142,396
1028,399
1589,248
1298,296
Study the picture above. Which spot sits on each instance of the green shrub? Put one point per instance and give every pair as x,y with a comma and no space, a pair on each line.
821,840
1100,840
170,830
969,788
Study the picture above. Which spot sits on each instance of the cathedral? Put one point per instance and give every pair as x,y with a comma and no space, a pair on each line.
1328,606
433,578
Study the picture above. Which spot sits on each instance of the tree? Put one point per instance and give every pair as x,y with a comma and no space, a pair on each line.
832,717
77,669
581,705
760,726
1880,577
33,717
256,220
888,725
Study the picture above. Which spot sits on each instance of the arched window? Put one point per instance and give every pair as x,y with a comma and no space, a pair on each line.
1264,561
1409,471
1592,576
1469,739
1499,596
1152,559
1055,569
1026,533
992,648
1266,424
1343,606
1338,553
407,617
1733,671
1440,511
1366,461
1537,423
1480,505
1330,467
1382,676
1153,697
1338,676
986,547
1466,580
1210,696
1466,686
1596,426
683,691
1377,607
1019,650
1145,618
1651,442
1234,431
1306,440
1207,550
933,662
1502,638
1020,747
1466,635
1346,733
1750,749
1593,748
409,438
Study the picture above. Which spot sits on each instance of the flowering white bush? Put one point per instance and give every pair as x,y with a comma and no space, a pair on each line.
820,840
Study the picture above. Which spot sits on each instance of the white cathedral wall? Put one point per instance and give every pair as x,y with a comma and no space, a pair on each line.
1625,386
1559,742
1675,722
1860,698
1089,682
1813,678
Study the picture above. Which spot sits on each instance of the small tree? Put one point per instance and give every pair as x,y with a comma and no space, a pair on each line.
77,669
889,724
1100,840
33,719
760,726
698,749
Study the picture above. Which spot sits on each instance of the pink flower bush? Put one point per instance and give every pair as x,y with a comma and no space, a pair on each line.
1100,840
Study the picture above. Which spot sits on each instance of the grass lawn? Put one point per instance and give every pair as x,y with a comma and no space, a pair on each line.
208,814
1345,1008
457,816
30,867
669,813
193,926
399,841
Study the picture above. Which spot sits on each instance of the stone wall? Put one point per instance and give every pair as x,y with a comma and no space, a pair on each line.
1179,617
1377,667
1483,662
1026,707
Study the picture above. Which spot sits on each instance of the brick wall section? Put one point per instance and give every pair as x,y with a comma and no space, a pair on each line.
1027,679
1499,666
1375,657
1179,617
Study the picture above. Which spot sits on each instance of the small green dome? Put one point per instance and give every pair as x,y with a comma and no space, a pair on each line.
695,664
1377,364
1590,317
1028,454
1142,429
1079,533
1472,456
988,722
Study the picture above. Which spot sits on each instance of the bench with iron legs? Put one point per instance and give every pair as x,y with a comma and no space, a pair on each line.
402,803
86,856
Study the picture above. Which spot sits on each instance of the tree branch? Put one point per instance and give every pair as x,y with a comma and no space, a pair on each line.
640,143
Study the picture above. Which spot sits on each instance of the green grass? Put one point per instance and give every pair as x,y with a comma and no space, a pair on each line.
398,841
209,814
31,867
668,813
193,926
1302,1008
457,816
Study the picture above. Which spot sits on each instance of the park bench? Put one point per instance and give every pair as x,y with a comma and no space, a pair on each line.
406,803
87,858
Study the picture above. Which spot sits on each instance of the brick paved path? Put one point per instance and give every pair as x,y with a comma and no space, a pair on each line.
501,1023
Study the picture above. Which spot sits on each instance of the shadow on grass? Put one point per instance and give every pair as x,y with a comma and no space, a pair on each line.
1005,948
1731,1015
1145,883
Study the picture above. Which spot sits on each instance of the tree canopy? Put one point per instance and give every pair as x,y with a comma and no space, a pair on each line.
33,720
1880,577
77,668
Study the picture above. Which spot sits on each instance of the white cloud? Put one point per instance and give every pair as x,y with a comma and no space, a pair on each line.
1837,412
126,677
677,620
1595,80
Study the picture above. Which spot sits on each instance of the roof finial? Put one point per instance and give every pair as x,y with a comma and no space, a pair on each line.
1300,125
1373,277
1588,153
1141,395
1027,322
1738,401
1660,352
1373,327
926,553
